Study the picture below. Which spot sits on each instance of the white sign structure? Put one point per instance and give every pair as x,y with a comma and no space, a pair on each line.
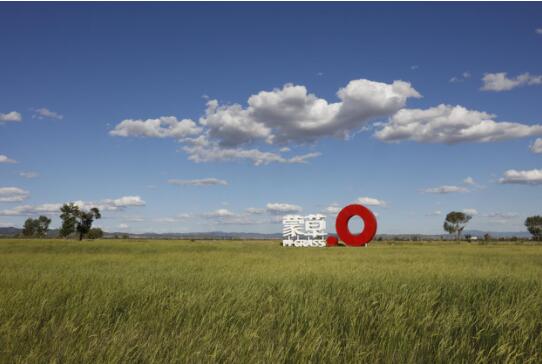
304,231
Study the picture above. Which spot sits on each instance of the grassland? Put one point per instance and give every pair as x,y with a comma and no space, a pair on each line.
182,301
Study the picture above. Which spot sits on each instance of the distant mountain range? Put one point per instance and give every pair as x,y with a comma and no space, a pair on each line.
12,231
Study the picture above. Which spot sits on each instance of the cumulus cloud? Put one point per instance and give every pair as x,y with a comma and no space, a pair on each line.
529,177
471,212
282,208
29,174
112,204
292,114
469,181
123,226
287,114
370,201
536,147
163,127
11,116
445,189
6,159
198,182
435,213
13,194
43,113
451,124
500,82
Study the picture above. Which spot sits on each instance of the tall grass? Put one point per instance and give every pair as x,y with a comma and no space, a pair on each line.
180,301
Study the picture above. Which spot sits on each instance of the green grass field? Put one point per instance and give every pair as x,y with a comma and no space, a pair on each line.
180,301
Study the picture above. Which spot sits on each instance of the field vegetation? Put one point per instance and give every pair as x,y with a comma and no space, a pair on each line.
141,301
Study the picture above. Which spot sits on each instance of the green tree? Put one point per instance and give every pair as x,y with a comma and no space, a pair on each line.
455,222
42,226
95,233
534,226
85,220
68,215
77,220
29,227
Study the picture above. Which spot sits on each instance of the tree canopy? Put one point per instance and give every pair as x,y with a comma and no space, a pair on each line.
455,222
76,220
534,226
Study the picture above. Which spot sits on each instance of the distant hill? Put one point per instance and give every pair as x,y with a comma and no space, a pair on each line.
219,235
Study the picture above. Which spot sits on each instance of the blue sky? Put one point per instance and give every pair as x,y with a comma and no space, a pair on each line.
180,117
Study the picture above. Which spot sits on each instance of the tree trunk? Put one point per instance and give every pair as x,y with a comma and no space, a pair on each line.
80,235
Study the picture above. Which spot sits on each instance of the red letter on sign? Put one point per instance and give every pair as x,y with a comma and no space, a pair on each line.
369,229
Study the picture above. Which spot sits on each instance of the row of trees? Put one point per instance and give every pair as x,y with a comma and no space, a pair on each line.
75,221
36,227
456,221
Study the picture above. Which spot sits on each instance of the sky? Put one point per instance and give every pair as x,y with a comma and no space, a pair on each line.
178,117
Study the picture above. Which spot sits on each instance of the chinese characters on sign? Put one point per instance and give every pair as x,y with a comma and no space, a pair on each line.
306,231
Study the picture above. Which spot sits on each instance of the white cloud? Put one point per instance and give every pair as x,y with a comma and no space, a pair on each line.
471,212
201,150
288,114
255,211
530,177
469,181
50,208
538,30
46,209
6,159
501,215
332,209
451,124
13,194
29,174
370,201
198,182
123,226
291,114
536,147
175,219
220,213
435,213
445,189
500,81
11,116
133,219
225,216
43,113
464,76
282,208
163,127
414,67
112,204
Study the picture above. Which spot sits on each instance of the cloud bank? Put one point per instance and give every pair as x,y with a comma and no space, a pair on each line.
451,124
527,177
